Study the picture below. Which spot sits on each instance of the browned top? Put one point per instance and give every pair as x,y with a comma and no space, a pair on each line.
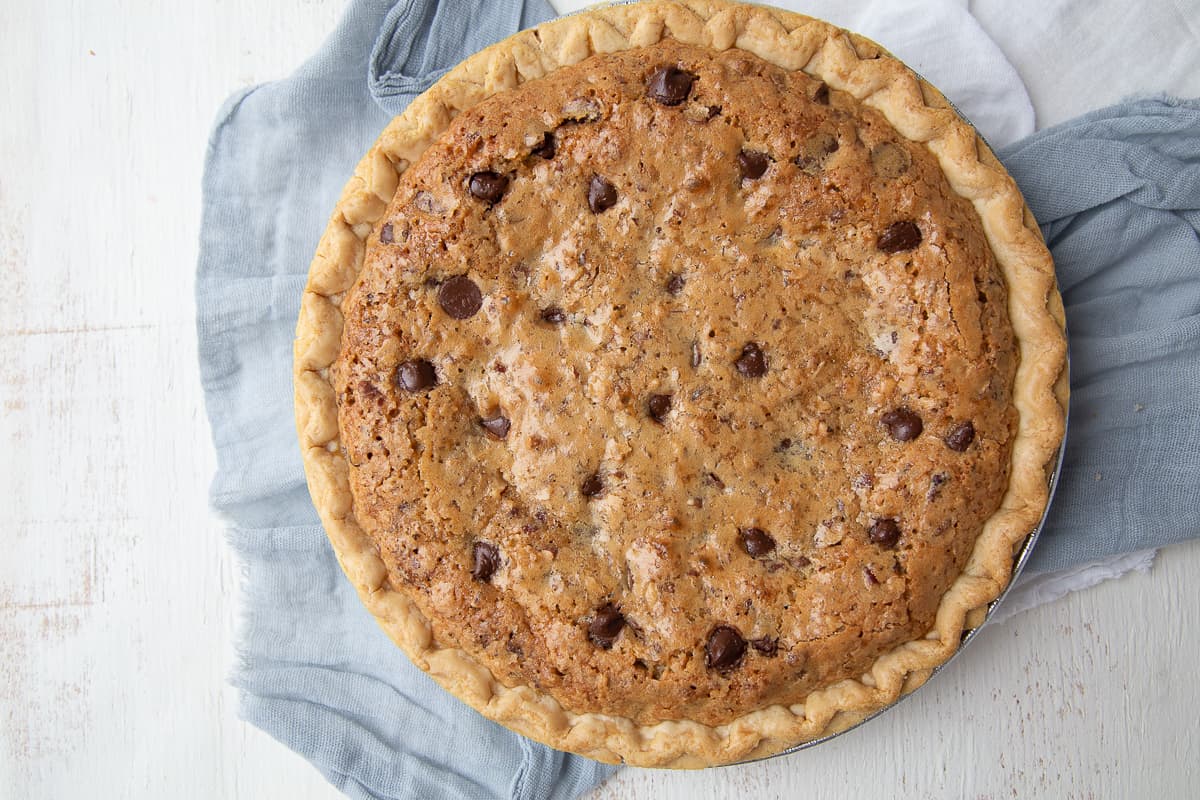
717,411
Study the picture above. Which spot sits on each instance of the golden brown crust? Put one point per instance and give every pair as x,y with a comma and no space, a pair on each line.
847,63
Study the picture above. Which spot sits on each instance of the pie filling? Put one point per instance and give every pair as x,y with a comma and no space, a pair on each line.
676,385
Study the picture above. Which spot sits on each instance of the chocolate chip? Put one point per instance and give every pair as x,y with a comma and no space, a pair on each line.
821,96
756,542
497,426
606,624
899,236
460,297
884,532
903,424
695,353
370,391
890,160
935,485
592,485
715,481
752,363
960,436
766,645
670,86
413,376
659,406
385,233
487,561
815,152
724,648
547,148
488,186
602,195
675,284
554,315
753,164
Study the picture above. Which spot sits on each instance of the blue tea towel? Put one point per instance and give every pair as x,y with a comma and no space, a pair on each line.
1117,193
1118,190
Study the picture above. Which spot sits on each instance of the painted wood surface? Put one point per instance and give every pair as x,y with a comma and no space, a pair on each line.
117,595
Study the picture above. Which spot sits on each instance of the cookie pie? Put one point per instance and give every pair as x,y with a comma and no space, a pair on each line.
676,381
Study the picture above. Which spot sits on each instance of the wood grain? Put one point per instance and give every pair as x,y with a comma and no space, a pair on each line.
116,592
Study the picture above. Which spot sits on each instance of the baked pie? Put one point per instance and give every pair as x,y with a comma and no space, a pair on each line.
677,380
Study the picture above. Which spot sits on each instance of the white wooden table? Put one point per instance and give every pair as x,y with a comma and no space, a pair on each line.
117,596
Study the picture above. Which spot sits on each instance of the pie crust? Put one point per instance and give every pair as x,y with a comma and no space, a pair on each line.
846,63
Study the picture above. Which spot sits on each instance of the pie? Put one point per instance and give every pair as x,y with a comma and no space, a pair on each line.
676,381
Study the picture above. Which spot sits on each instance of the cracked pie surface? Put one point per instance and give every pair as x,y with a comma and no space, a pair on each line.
675,379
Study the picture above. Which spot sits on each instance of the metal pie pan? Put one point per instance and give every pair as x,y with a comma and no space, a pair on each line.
1019,561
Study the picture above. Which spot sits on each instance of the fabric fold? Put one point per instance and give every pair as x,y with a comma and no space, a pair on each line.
419,42
1117,193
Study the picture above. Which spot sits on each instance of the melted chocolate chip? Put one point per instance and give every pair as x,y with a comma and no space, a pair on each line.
902,424
753,164
821,96
460,297
675,284
487,561
935,485
899,236
497,426
752,363
670,86
606,624
756,542
592,486
960,436
385,233
554,315
514,647
724,648
602,195
890,160
547,148
815,152
413,376
370,391
659,406
766,645
488,186
884,532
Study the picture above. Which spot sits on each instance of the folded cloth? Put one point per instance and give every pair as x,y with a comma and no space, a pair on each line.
1117,193
313,669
